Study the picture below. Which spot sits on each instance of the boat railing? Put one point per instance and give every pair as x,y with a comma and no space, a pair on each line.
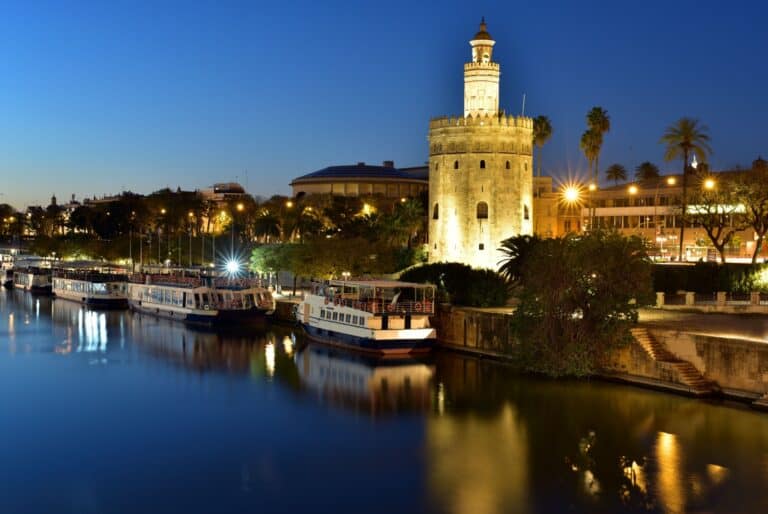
90,276
165,279
236,283
382,306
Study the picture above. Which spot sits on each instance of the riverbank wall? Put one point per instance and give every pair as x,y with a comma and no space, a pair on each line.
734,368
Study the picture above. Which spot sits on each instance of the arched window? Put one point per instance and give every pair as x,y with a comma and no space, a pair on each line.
455,165
482,211
482,164
525,166
508,165
437,166
436,212
526,213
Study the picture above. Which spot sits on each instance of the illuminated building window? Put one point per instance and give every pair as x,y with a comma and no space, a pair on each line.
525,166
508,166
482,211
455,165
481,246
482,164
437,166
526,214
436,212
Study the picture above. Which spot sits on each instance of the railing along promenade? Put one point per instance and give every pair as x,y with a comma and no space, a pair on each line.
721,301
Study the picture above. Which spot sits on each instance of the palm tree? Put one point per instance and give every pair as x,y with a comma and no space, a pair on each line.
516,251
590,144
599,122
616,172
687,136
542,131
646,171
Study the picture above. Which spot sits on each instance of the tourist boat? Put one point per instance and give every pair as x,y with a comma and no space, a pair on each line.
374,316
33,279
92,288
199,299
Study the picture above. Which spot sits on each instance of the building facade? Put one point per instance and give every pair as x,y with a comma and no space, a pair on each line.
480,170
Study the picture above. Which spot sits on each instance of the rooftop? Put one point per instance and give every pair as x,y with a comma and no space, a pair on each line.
362,170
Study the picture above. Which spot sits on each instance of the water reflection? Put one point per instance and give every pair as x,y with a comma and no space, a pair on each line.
464,435
365,384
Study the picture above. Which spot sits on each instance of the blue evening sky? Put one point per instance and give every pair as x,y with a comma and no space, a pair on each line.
97,97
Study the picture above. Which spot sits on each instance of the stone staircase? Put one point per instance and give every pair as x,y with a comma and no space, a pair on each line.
684,371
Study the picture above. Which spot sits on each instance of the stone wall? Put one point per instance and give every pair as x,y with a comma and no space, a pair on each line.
738,367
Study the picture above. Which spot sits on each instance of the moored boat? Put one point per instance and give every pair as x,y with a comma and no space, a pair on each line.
92,288
373,316
199,299
33,279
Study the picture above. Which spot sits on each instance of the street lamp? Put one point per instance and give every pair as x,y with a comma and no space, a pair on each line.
709,184
288,204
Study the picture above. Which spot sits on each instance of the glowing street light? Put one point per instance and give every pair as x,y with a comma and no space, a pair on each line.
709,184
571,194
289,204
233,267
671,181
632,190
240,207
592,187
162,211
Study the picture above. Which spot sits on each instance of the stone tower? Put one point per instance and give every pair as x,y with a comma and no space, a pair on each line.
480,170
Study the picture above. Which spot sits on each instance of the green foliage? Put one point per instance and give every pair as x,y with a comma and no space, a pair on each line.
579,297
459,284
516,252
710,277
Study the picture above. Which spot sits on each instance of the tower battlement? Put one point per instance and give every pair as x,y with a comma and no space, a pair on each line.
482,120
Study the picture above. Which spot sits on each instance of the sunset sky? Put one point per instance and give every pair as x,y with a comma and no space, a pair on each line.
98,97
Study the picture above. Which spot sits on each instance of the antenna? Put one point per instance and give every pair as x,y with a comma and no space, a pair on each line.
523,104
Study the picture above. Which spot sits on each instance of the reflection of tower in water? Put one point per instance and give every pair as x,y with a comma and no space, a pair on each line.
366,384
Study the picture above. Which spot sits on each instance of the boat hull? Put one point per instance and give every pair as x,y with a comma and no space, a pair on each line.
161,311
367,344
96,303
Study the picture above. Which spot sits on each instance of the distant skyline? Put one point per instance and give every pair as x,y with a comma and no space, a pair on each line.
100,97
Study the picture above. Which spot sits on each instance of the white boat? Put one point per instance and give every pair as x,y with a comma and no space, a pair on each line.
199,299
33,279
374,316
92,288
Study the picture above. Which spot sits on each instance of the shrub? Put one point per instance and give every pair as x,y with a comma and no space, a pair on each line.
459,284
710,277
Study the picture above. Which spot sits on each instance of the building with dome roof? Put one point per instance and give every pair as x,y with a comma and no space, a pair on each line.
480,169
363,179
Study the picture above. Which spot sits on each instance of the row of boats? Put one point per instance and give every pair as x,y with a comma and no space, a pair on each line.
191,296
382,317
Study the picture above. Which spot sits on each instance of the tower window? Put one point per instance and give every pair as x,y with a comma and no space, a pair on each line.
436,212
482,164
482,211
525,166
508,165
481,246
437,166
526,213
455,165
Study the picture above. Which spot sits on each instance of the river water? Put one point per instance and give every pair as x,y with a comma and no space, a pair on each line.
114,412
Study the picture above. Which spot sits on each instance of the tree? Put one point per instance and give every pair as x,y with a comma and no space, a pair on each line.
716,210
752,193
542,131
590,144
516,250
599,122
574,309
646,171
616,172
687,136
410,218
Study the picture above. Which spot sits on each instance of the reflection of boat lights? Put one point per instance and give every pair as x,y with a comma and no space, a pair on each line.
287,346
669,458
269,356
440,398
11,325
37,309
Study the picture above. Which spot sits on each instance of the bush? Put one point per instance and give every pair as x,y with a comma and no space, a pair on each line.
579,297
459,284
710,277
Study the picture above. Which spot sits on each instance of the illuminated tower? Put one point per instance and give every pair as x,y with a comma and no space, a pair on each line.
480,170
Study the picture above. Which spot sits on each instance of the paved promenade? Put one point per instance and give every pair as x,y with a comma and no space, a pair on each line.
751,327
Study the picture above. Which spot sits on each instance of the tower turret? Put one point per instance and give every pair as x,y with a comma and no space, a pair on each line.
481,76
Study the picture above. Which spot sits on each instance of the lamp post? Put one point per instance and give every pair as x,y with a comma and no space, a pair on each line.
570,197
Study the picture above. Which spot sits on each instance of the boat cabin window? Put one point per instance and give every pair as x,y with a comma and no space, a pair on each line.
322,313
349,316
